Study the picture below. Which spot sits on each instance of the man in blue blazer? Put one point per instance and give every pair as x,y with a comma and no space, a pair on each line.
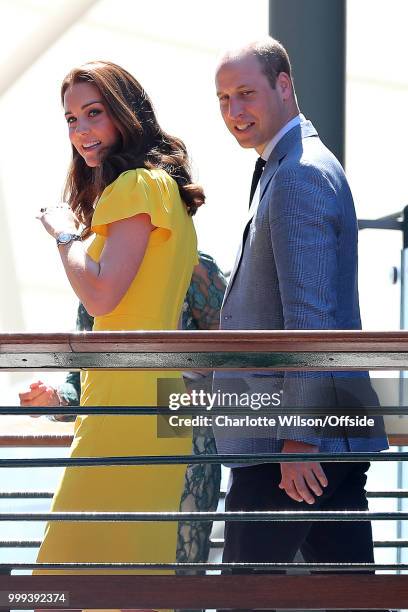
296,269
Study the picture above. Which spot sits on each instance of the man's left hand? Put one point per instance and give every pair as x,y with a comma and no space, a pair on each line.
304,480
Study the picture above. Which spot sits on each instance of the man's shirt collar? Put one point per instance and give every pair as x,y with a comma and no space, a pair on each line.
278,136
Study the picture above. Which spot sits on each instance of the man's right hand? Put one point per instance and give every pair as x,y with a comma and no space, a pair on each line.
39,394
304,480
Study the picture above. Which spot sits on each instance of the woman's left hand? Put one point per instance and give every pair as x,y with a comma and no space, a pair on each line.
57,219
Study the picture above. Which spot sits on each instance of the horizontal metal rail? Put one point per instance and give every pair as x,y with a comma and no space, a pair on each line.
315,567
32,544
266,360
198,459
65,440
26,494
216,543
235,411
277,350
392,493
282,515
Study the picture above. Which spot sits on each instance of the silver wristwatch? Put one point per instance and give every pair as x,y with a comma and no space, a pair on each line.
64,238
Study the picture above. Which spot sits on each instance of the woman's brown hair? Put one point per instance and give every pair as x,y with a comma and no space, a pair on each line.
143,143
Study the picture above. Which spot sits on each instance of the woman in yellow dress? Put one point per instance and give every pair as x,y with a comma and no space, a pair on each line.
130,186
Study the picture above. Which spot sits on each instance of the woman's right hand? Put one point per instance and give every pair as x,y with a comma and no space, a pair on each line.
39,394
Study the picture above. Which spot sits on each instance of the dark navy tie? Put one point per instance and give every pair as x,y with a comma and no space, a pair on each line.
259,166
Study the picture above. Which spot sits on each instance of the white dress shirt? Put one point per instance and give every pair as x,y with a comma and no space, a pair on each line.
266,153
278,136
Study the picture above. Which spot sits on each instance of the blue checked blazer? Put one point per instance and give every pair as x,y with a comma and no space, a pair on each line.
297,269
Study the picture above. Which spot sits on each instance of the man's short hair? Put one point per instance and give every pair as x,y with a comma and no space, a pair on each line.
273,59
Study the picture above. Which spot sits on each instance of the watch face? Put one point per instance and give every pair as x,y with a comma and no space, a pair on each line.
64,238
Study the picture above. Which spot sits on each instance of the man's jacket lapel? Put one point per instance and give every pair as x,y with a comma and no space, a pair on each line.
293,137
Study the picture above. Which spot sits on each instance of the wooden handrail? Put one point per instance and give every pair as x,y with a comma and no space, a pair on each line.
298,341
243,591
25,441
228,350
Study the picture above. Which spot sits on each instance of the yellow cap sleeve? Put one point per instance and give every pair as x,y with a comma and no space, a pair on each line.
138,191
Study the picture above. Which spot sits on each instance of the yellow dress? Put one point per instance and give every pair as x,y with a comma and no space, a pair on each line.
153,301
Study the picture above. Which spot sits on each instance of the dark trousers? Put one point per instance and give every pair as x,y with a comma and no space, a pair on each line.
256,488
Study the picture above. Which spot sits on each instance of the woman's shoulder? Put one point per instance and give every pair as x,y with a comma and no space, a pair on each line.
140,178
136,191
